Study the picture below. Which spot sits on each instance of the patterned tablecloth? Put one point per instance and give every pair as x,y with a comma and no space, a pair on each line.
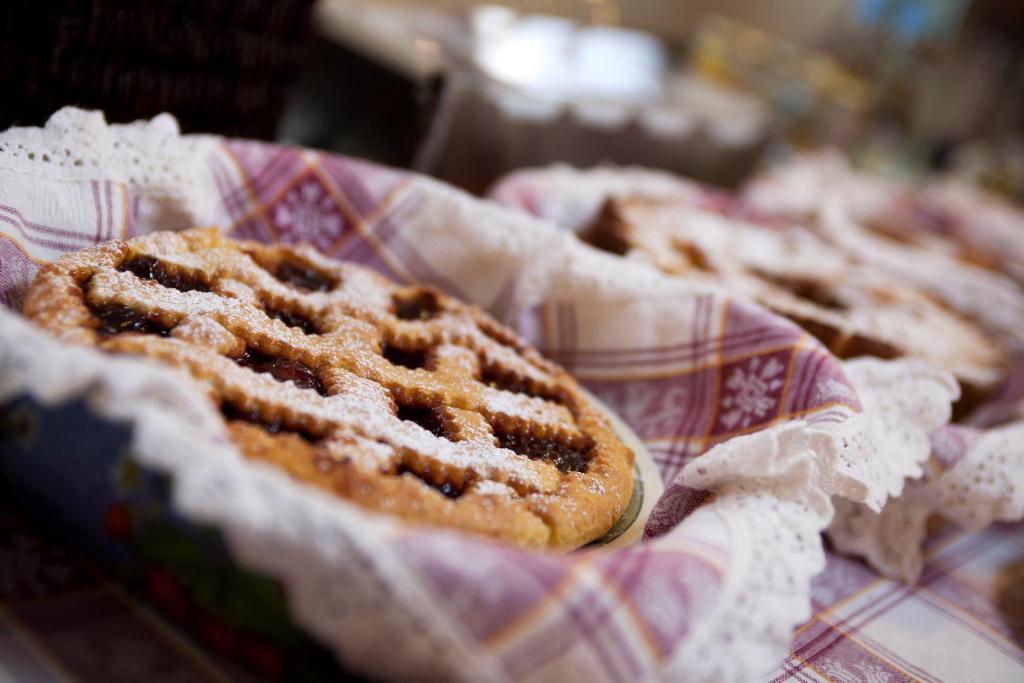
62,620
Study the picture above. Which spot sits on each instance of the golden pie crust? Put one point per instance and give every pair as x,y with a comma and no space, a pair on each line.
399,399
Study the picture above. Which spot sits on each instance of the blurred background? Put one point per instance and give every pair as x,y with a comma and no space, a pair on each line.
467,91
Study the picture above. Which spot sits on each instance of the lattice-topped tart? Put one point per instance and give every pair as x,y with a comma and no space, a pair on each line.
400,399
854,309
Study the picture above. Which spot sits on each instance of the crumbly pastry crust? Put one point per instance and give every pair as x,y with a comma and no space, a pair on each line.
852,308
400,399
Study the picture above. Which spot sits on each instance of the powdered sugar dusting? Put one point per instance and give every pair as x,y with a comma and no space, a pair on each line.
395,376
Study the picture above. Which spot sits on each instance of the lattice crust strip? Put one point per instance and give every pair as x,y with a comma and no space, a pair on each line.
400,399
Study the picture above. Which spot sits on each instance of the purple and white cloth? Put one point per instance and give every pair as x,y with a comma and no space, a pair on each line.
754,426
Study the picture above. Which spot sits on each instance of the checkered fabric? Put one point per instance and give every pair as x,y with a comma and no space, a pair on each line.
962,621
733,370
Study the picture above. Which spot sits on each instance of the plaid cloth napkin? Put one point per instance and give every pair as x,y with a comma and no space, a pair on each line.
712,595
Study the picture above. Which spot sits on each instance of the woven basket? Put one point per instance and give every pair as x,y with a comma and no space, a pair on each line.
219,66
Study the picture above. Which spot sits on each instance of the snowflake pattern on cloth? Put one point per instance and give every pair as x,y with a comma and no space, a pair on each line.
751,392
857,672
307,214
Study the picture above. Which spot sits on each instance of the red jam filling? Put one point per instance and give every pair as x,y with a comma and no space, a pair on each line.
233,412
428,418
150,268
282,369
304,277
116,319
421,306
408,359
293,319
563,456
